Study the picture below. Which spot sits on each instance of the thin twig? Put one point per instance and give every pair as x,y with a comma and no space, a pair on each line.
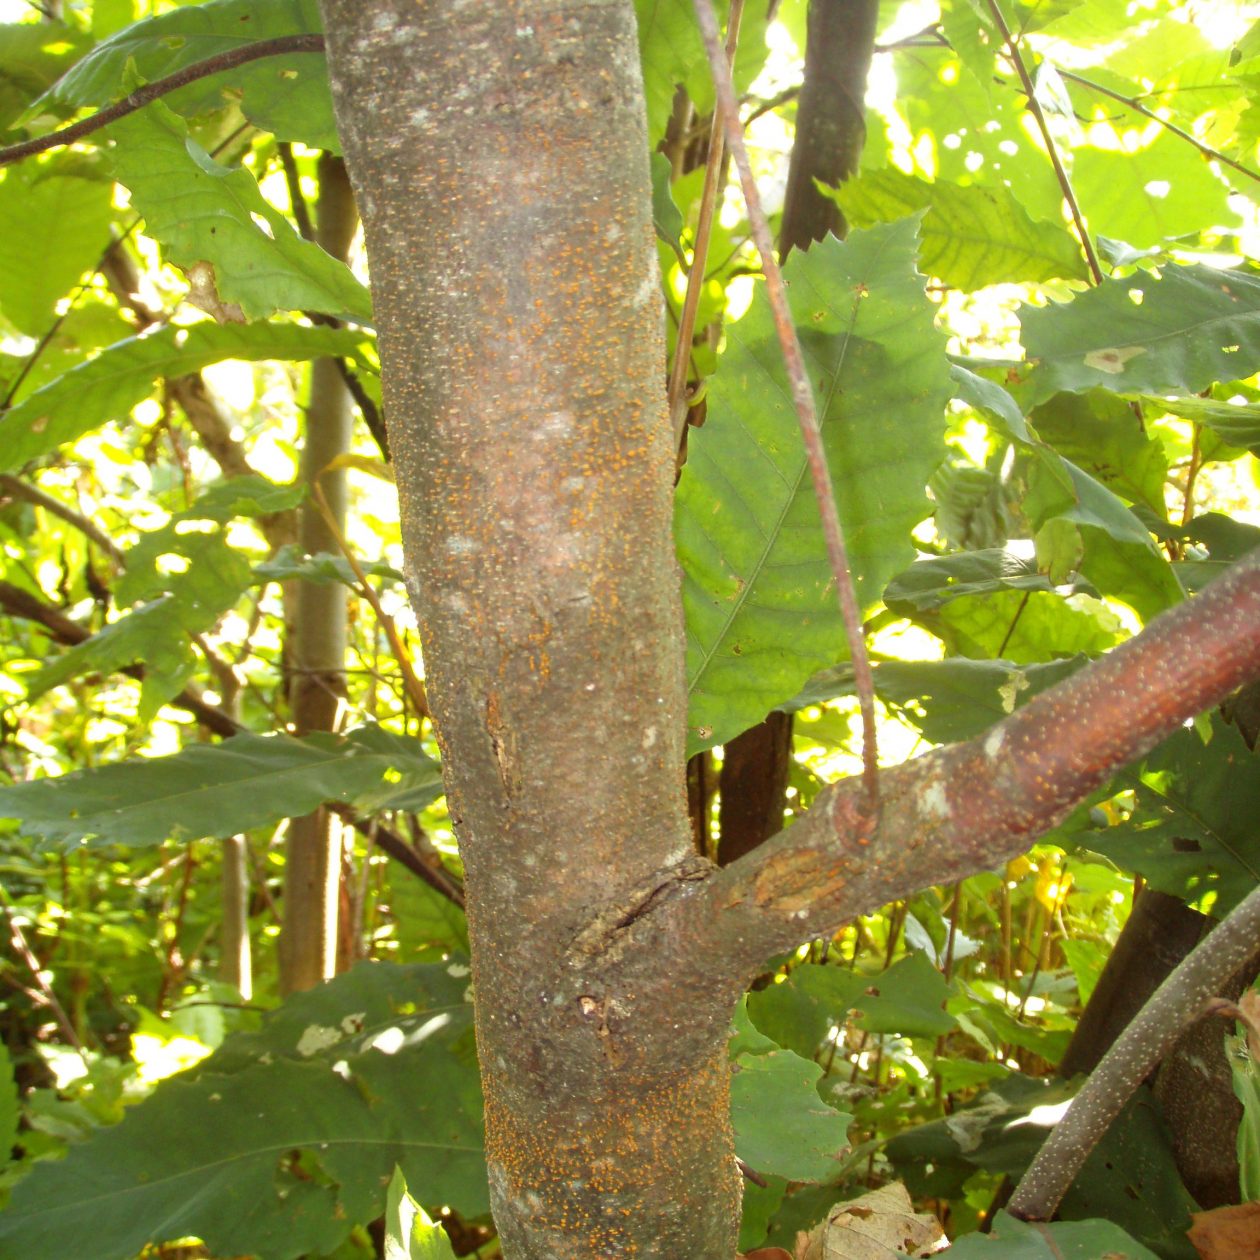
41,498
1180,132
17,602
1065,184
41,345
700,250
1184,996
149,92
415,687
775,102
802,396
46,993
297,203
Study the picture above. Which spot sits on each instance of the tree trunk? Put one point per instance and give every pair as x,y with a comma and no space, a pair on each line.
312,870
830,118
754,782
499,155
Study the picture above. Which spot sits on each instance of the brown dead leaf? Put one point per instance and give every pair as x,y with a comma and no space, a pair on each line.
1227,1233
203,293
881,1225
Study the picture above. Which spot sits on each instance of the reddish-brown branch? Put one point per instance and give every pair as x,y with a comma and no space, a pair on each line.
970,806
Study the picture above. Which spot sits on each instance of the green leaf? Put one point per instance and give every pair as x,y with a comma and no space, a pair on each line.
1130,1176
1119,554
287,95
906,1000
801,1012
671,51
1150,195
220,789
934,581
1174,333
666,217
1192,832
760,1205
782,1127
350,1014
990,1022
758,592
108,386
203,214
1238,424
53,228
409,1233
972,235
991,400
996,604
979,134
427,925
278,1146
10,1107
32,56
322,568
673,55
1027,629
224,501
1245,1071
745,1037
158,633
971,509
1012,1239
1102,435
957,699
1078,522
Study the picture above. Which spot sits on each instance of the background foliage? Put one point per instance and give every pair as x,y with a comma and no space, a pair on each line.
1032,460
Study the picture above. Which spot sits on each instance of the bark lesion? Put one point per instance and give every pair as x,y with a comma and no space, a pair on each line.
611,927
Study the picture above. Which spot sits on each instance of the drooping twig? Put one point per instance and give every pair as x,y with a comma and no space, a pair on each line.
803,397
1065,184
700,250
149,92
1180,132
1182,998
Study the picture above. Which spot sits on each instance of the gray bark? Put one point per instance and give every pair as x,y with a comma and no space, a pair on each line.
500,158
